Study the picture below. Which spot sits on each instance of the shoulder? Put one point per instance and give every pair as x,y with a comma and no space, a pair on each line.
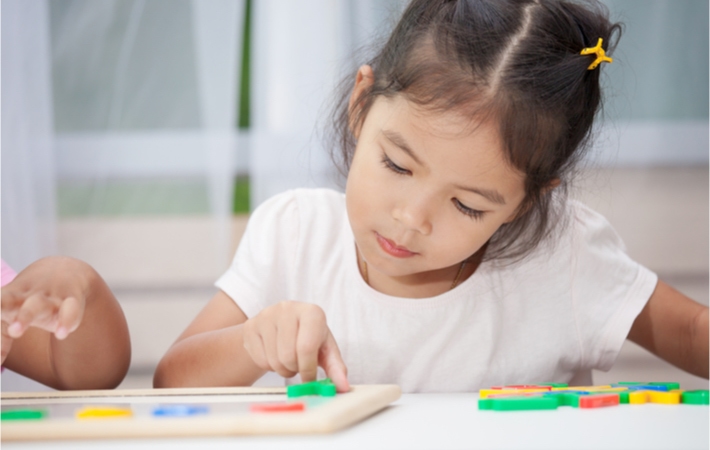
589,228
583,238
294,218
304,198
300,204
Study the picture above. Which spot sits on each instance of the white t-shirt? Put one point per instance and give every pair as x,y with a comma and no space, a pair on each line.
552,317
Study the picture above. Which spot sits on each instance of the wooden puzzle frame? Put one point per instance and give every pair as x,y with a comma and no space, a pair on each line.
339,412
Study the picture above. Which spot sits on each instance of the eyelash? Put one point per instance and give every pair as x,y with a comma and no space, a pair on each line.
387,162
472,213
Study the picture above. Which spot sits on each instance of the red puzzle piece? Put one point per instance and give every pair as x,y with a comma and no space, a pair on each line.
278,407
598,401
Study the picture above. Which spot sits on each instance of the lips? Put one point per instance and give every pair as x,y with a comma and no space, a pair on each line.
393,249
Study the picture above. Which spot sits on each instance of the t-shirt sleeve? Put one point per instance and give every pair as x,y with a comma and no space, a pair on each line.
259,273
609,289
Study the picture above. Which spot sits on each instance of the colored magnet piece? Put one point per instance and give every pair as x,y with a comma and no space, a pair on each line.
484,393
567,398
695,397
671,385
524,387
598,401
507,394
624,397
530,403
324,388
583,388
665,398
606,390
638,397
180,410
649,387
277,407
23,414
555,385
103,412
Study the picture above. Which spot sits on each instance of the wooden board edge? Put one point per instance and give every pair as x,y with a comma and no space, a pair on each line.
327,418
53,395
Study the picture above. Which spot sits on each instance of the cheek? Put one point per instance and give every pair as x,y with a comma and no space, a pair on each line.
358,198
465,237
365,183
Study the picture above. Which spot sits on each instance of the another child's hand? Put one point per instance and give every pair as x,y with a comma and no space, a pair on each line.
292,338
48,294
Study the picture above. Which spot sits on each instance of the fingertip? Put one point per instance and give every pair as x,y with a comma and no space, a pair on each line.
340,379
308,376
343,387
61,333
15,330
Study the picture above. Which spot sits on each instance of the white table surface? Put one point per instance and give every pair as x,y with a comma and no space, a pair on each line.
453,421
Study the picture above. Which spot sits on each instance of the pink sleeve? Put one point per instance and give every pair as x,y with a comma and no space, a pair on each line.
7,274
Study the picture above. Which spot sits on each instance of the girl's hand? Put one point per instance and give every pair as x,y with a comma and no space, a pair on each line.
48,295
293,337
6,342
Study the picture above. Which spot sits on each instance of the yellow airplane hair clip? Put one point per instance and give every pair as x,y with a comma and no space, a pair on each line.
599,51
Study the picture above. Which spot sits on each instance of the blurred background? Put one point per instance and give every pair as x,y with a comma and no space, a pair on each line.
138,134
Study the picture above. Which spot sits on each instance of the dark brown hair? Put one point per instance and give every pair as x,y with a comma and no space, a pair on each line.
515,61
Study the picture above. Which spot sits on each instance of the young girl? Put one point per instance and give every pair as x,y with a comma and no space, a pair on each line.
62,326
453,261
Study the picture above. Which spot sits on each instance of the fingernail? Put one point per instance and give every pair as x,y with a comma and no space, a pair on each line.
15,328
61,333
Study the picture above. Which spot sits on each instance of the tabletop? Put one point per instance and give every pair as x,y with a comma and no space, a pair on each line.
453,421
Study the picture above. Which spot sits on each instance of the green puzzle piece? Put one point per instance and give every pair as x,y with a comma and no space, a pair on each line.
324,388
554,385
23,414
566,399
623,397
527,403
696,397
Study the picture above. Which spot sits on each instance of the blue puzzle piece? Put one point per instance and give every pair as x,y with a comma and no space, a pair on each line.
180,410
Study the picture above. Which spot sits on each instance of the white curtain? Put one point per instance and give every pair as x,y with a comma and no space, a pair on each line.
300,51
139,89
28,163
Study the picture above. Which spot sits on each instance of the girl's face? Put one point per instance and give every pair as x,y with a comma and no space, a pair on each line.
425,191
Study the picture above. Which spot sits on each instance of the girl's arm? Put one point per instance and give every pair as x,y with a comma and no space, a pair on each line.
63,326
222,348
210,352
675,328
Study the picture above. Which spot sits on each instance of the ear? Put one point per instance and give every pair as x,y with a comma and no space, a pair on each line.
545,191
551,185
364,79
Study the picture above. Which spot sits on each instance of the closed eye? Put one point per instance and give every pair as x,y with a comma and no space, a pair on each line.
388,163
472,213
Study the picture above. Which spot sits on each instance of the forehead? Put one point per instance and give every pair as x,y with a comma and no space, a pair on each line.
459,144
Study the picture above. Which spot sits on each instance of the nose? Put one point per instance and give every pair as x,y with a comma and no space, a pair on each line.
414,213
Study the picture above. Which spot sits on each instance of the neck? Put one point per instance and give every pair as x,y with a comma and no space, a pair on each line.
422,284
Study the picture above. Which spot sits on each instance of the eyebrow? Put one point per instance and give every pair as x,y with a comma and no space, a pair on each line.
490,194
397,139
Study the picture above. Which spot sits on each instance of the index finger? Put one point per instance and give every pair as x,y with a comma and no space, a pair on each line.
312,331
332,362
